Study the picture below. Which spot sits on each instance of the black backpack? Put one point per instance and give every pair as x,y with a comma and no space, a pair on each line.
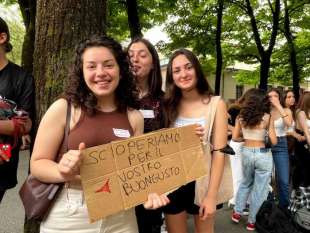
271,218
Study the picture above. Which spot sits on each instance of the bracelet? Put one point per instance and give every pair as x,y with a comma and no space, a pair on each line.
284,116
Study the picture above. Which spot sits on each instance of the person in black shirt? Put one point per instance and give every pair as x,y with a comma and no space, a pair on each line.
145,66
18,86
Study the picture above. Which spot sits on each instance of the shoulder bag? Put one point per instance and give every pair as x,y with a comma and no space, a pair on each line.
37,197
225,190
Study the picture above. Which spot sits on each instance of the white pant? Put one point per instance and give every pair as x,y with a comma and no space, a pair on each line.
236,167
69,215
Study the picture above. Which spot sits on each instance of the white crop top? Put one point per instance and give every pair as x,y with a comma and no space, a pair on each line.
254,134
292,127
280,127
257,134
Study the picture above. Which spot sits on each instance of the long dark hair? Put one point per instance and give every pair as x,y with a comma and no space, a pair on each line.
155,77
292,108
173,94
304,103
80,95
255,104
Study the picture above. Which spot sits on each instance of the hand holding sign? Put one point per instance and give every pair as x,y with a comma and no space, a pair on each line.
69,165
200,131
155,201
122,174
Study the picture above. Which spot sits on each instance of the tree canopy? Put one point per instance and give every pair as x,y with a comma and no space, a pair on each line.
193,24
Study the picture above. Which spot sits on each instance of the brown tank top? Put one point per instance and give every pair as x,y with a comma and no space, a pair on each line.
100,128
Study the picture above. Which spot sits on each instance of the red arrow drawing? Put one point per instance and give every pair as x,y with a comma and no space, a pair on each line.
104,188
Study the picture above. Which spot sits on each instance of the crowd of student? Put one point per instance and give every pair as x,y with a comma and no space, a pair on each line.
270,135
120,91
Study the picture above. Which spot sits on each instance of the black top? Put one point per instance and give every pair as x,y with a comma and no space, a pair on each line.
17,85
153,116
233,112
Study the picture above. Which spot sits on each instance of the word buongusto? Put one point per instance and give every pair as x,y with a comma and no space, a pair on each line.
144,175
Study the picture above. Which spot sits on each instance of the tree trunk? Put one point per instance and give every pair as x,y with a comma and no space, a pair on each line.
28,10
264,72
265,55
219,56
133,19
60,26
292,52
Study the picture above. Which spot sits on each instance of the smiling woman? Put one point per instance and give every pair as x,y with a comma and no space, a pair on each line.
101,90
189,100
101,76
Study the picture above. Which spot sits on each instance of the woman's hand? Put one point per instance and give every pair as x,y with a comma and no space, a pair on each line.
200,131
69,165
275,102
300,138
207,208
155,201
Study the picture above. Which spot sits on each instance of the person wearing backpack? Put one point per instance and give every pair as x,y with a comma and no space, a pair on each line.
254,121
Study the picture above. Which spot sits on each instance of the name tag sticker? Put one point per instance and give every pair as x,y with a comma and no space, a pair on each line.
121,133
147,113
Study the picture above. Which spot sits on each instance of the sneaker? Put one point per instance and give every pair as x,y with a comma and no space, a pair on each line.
235,217
250,227
231,203
246,210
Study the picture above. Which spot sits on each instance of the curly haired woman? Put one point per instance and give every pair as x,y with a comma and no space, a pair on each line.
254,121
102,93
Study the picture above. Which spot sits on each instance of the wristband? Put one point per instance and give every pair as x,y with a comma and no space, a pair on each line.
284,116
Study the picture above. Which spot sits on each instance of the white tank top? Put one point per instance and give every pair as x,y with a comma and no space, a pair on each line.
292,127
183,121
257,134
254,134
280,127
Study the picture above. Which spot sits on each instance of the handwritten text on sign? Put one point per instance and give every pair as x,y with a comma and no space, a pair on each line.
119,175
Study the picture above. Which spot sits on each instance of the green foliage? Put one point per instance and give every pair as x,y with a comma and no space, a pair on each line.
151,13
12,16
300,20
193,25
303,47
247,77
8,2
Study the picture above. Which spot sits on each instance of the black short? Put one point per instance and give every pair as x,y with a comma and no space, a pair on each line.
181,200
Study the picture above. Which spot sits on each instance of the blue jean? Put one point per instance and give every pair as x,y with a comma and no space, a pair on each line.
257,168
281,162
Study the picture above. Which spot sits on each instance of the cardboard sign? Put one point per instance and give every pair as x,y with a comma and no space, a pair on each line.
121,174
